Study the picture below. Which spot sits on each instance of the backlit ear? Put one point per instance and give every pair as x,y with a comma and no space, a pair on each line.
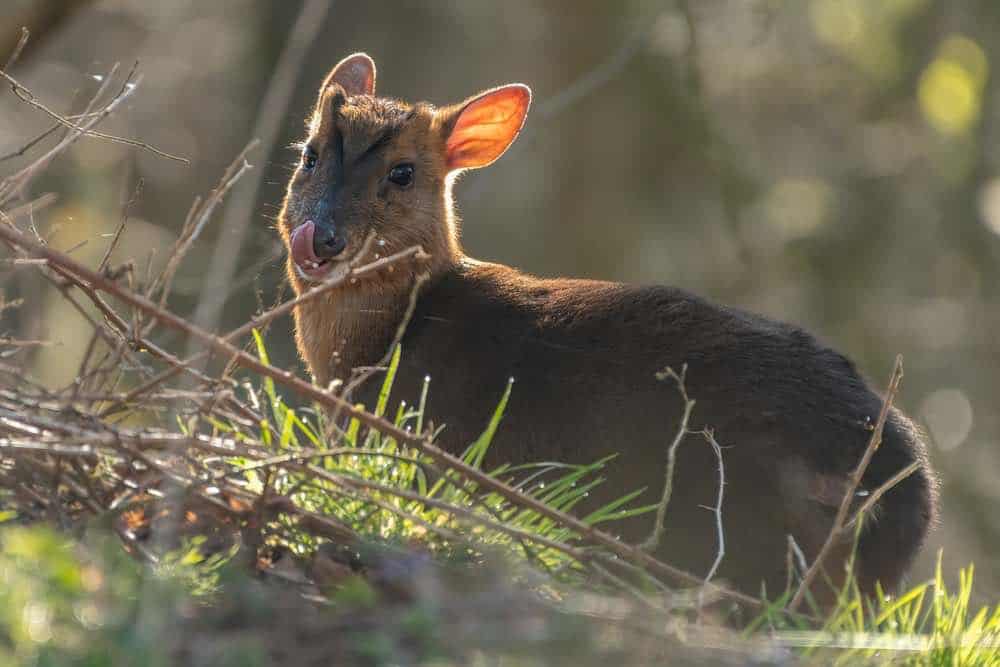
479,130
355,74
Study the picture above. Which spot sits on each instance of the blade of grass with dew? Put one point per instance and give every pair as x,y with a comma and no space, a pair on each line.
287,432
422,406
269,388
476,453
601,514
387,382
555,489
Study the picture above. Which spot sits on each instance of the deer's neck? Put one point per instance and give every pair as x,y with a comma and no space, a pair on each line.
347,329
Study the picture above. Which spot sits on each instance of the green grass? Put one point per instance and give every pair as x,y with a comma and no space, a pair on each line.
928,624
385,515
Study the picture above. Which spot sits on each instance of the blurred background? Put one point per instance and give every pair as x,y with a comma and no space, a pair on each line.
834,163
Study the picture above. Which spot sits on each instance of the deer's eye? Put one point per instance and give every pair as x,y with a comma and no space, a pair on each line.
401,174
309,157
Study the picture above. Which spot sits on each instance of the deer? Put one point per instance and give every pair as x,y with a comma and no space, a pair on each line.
792,416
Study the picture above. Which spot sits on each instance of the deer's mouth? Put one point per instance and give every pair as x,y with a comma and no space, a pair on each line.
307,263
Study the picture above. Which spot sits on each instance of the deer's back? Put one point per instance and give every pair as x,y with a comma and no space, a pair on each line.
587,353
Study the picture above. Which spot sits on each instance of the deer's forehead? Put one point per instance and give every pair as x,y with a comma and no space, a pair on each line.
359,128
363,119
358,114
367,114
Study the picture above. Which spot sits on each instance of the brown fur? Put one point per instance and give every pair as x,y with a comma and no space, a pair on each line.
793,415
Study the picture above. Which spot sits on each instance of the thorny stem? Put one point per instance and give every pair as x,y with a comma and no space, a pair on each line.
716,509
652,543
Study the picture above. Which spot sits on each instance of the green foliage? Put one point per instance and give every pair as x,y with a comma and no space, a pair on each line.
84,603
196,570
65,603
925,625
380,512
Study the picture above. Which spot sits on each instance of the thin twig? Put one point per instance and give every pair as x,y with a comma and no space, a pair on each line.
126,207
26,96
21,178
31,143
854,480
22,41
331,282
877,494
199,216
652,543
717,511
29,208
794,558
397,340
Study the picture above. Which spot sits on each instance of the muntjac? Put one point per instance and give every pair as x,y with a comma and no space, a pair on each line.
793,416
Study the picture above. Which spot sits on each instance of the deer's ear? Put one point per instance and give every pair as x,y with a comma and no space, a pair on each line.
355,74
479,130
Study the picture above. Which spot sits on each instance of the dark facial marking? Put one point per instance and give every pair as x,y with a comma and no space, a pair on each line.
339,148
383,140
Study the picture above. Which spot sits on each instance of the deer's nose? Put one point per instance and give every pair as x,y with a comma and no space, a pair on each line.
327,243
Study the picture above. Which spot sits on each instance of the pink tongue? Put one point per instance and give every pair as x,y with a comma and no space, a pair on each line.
302,245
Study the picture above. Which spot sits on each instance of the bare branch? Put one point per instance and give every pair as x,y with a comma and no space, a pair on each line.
41,17
877,494
18,180
29,98
334,280
653,541
198,217
22,41
126,207
854,480
717,508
